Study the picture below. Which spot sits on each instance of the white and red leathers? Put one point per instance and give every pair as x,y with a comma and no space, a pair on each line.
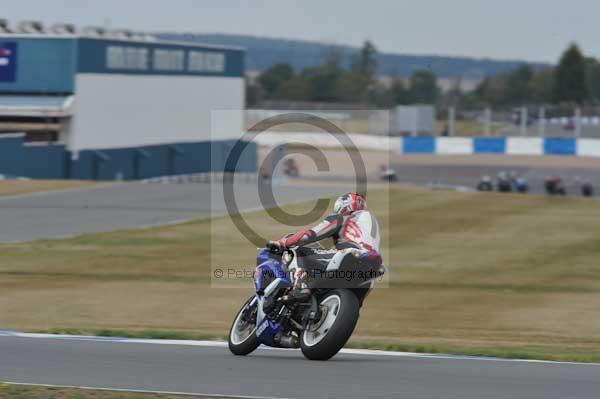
356,233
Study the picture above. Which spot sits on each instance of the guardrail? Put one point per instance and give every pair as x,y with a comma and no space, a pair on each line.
440,145
500,145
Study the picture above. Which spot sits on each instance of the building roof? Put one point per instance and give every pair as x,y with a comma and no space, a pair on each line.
153,40
36,106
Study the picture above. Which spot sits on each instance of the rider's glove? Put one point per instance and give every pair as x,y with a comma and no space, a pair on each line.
280,244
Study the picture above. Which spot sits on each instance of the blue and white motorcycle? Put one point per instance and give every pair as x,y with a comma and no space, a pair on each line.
320,325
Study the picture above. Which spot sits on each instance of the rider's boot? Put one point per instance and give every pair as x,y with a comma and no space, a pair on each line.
300,292
296,296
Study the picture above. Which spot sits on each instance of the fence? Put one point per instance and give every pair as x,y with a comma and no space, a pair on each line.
363,121
522,122
525,122
44,161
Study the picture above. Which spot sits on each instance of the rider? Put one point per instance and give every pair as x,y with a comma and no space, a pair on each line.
355,233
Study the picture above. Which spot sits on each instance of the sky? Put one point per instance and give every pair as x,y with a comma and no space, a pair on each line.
531,30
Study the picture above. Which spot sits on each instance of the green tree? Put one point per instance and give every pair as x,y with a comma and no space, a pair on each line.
357,84
593,79
399,93
516,89
295,89
570,82
353,87
520,86
271,79
366,62
380,96
481,93
541,86
423,87
322,80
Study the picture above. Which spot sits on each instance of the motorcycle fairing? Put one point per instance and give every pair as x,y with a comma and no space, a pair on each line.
269,277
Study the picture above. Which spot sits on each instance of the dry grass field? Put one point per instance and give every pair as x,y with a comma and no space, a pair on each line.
10,391
467,128
17,187
469,273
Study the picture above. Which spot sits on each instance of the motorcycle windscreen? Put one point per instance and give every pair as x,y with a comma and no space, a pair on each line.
268,269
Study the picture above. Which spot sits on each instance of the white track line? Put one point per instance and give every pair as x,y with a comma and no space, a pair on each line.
204,395
222,344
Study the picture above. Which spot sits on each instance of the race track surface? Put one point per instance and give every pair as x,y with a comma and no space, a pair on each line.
129,205
468,175
209,369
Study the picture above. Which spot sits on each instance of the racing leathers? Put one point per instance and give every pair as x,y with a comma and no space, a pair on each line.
356,238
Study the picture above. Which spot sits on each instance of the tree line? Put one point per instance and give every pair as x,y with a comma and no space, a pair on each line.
574,80
330,82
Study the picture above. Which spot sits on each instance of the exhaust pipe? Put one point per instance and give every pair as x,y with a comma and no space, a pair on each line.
289,341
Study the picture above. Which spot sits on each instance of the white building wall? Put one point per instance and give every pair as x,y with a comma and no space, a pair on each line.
116,111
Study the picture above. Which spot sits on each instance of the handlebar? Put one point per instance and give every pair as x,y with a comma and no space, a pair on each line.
274,249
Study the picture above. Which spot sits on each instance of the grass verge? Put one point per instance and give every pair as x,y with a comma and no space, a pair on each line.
469,273
19,187
505,352
145,334
12,391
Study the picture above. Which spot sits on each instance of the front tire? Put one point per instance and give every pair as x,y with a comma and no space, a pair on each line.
324,338
242,334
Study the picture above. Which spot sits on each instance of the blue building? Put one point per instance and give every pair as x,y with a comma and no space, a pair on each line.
105,108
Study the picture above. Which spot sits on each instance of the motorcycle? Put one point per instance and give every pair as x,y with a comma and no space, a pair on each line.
320,325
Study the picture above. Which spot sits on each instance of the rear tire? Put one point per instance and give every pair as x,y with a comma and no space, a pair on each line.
323,339
242,345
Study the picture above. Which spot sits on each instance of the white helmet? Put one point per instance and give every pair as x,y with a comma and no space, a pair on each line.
348,203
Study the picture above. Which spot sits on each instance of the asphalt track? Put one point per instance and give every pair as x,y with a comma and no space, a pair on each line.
130,205
469,175
209,369
116,206
205,368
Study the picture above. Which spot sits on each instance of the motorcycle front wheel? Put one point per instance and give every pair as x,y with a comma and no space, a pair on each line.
242,335
323,338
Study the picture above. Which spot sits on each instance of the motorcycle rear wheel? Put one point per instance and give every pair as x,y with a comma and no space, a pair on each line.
324,338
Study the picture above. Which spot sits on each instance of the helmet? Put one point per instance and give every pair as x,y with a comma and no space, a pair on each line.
348,203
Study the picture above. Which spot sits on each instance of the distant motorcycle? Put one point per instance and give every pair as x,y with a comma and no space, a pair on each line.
388,174
587,189
290,168
555,186
320,327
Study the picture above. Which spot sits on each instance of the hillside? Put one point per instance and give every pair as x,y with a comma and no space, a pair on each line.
263,52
